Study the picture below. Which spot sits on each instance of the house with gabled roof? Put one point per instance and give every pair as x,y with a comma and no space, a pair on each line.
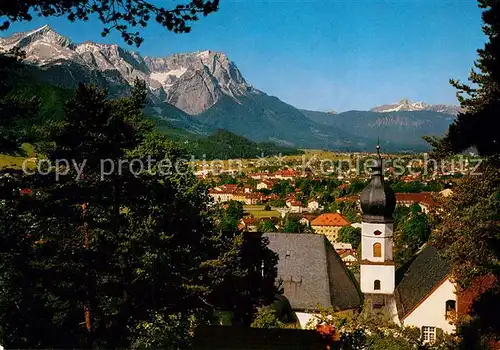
312,275
426,296
329,224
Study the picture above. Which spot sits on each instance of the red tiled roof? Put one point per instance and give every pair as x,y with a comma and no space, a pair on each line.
330,219
249,221
467,297
422,197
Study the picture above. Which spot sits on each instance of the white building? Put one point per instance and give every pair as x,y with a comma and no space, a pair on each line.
313,205
425,297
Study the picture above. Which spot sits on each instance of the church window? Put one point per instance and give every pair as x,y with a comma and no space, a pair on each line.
450,309
377,233
428,334
376,285
377,250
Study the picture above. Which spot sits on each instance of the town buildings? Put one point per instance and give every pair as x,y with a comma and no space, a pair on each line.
329,224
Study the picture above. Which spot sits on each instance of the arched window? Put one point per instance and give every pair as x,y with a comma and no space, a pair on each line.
376,285
450,308
377,233
377,250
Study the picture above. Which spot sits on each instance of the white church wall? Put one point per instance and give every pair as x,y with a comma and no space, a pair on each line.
383,273
369,239
432,311
307,320
368,228
392,309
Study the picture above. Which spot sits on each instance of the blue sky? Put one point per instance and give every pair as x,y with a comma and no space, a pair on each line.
323,55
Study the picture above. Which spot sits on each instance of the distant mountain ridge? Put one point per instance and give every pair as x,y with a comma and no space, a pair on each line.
400,127
203,91
408,106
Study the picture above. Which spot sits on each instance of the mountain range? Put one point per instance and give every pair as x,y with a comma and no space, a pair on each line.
408,106
204,91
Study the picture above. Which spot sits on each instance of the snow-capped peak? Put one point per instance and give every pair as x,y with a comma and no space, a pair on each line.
192,81
406,105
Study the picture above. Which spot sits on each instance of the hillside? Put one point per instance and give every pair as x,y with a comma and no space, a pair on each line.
223,144
404,128
199,140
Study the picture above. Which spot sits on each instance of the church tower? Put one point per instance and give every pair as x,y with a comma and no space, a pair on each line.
378,201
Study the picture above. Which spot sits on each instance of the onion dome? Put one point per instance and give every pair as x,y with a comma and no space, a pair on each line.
378,200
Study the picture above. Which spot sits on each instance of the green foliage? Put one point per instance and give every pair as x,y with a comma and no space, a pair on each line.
113,14
282,188
348,209
223,144
364,329
142,252
266,318
266,226
349,234
412,230
407,187
292,225
17,112
470,234
356,187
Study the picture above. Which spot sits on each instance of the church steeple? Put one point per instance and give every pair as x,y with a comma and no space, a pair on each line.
378,201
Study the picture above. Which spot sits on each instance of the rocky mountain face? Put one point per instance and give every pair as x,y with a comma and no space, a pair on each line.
408,106
192,82
202,91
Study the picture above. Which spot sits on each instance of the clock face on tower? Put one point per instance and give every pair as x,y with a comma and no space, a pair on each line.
377,233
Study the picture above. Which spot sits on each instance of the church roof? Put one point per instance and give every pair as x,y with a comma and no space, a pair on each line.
312,272
425,273
378,200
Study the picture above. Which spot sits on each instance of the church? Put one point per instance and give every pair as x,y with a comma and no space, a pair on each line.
422,294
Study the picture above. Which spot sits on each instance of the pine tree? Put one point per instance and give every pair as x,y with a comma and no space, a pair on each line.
113,259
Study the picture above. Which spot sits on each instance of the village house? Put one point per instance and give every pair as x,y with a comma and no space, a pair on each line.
254,198
306,219
295,206
286,174
265,184
423,199
313,204
329,224
249,224
221,195
346,253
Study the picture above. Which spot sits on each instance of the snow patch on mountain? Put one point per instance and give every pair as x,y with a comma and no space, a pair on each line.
192,82
406,105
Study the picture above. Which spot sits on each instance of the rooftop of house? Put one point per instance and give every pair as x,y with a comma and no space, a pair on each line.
421,197
427,271
330,219
312,273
